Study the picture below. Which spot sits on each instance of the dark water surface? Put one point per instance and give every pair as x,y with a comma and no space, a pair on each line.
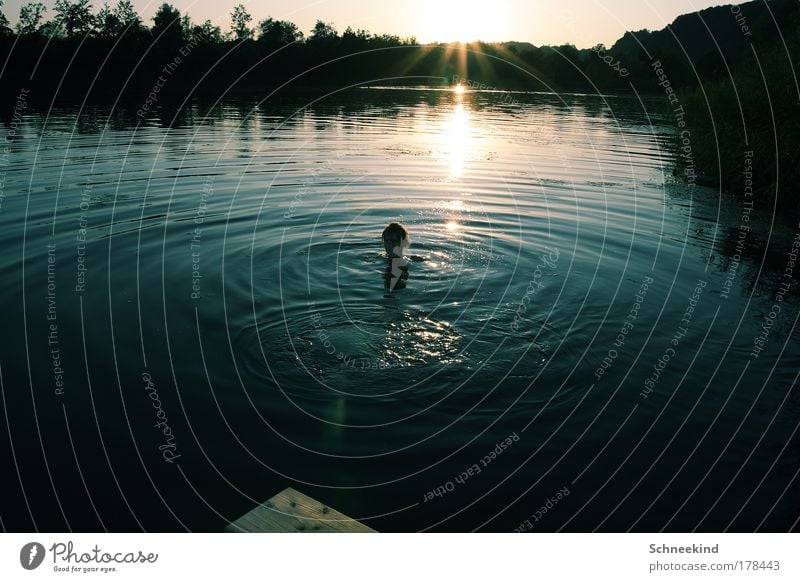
195,318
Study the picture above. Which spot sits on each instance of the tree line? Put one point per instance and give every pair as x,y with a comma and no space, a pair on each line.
732,67
114,52
696,48
73,18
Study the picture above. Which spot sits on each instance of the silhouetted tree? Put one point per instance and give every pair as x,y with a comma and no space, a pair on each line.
107,23
4,28
240,18
323,32
123,18
75,17
186,25
278,32
167,24
386,40
128,18
206,33
30,18
352,40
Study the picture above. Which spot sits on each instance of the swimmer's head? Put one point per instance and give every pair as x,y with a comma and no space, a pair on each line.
395,239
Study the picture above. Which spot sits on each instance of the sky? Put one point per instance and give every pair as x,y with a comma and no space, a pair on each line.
583,23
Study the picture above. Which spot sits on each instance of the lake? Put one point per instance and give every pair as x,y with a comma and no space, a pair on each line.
197,316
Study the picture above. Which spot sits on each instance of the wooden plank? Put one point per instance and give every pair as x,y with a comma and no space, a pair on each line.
290,512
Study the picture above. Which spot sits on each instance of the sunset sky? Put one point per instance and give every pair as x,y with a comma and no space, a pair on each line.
580,22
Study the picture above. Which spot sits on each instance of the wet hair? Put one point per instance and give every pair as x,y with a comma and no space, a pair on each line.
394,235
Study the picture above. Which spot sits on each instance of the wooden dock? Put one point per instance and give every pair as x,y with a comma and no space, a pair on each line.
292,512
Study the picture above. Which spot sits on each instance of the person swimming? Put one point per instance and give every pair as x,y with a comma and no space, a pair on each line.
395,241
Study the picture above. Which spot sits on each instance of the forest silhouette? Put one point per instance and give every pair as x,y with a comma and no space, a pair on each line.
731,69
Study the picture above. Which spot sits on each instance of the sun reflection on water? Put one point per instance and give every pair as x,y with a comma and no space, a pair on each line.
456,138
422,340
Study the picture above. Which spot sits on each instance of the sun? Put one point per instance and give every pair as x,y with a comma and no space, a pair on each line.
462,20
